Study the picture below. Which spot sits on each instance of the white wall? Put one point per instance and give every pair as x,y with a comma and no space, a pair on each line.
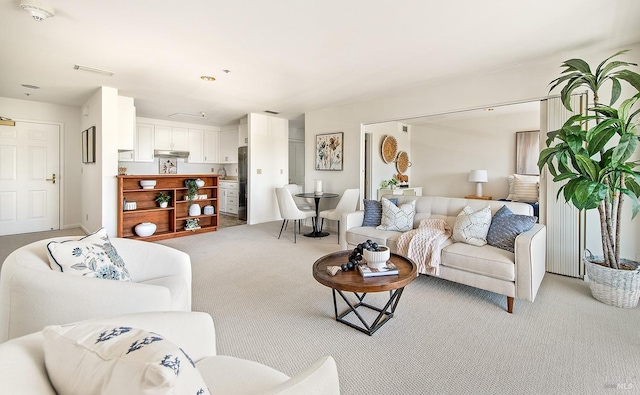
524,82
70,140
268,166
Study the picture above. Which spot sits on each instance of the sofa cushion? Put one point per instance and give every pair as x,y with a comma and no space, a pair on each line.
112,359
92,256
506,226
487,260
472,227
359,234
524,191
373,211
397,218
178,288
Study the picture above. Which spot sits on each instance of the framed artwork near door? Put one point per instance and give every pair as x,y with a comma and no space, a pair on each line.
89,145
329,150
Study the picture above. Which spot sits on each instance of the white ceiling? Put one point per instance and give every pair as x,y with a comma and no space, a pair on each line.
290,56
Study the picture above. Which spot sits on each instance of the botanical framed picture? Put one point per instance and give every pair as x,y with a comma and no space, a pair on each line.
89,145
168,166
329,151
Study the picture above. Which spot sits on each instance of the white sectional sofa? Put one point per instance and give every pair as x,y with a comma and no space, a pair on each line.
515,275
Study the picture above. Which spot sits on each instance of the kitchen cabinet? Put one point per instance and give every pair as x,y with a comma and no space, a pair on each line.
196,149
243,135
144,143
211,146
228,201
170,221
171,138
229,147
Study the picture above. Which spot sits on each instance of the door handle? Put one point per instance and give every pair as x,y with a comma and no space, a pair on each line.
52,179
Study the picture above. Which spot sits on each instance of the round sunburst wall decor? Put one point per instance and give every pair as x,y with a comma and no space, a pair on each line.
389,149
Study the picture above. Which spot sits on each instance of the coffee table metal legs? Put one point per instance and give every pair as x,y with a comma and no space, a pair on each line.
384,315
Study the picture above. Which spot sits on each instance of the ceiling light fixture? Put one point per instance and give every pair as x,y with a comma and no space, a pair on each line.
38,9
93,70
184,114
271,112
207,78
30,86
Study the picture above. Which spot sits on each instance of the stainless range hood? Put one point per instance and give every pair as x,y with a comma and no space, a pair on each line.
161,153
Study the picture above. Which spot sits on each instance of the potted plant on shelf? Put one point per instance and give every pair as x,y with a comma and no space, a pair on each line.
595,162
163,199
391,184
192,192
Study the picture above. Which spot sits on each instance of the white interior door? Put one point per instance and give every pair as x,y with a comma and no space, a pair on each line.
29,178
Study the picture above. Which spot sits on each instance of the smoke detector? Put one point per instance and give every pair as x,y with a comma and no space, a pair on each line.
39,10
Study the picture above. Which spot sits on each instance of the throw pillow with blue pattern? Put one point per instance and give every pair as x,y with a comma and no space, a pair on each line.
506,226
90,256
112,359
397,218
373,211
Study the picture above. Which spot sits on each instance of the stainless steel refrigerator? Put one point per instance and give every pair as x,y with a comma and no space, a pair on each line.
243,165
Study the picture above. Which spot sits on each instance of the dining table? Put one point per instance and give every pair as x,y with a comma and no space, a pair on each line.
317,230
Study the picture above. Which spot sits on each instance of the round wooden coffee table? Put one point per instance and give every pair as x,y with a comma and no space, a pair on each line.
353,281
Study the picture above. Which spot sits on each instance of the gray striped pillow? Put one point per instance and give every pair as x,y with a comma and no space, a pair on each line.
373,212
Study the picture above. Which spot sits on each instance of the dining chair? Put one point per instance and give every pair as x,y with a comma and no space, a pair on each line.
348,203
289,210
302,203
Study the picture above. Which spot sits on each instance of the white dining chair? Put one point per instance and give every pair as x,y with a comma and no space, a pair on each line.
348,203
302,203
289,210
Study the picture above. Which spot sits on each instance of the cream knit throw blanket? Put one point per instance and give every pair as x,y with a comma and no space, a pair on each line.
424,244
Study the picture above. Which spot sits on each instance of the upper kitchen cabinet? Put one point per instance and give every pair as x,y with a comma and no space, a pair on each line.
171,138
196,148
144,143
243,135
211,146
229,146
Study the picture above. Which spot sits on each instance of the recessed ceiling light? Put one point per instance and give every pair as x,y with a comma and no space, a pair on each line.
30,86
207,78
226,71
93,70
488,109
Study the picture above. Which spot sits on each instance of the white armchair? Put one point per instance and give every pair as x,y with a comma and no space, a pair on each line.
23,369
348,203
32,295
289,210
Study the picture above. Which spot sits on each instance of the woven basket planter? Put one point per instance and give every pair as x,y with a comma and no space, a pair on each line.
620,288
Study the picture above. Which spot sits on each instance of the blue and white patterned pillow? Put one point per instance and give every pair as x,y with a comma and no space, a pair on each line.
90,256
397,218
111,359
506,226
472,227
373,211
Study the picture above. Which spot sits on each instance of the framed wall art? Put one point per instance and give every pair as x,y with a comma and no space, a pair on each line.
168,166
329,151
89,145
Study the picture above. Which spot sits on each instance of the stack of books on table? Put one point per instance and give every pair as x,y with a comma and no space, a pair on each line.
389,270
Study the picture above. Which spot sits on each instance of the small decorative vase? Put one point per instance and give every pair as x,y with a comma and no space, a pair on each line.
164,204
377,259
208,210
145,229
194,210
199,183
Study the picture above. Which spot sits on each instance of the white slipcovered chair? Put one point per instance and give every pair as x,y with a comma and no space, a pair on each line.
302,203
32,295
23,369
348,203
289,210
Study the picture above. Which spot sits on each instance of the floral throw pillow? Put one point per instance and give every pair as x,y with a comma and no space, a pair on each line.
112,359
472,227
90,256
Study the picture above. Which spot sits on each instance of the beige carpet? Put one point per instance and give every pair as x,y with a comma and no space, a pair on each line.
446,338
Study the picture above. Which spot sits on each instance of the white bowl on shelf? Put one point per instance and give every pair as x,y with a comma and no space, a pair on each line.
147,184
145,229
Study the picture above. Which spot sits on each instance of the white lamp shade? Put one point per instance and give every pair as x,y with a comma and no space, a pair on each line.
478,176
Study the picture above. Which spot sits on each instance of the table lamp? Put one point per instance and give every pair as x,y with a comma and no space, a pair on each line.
478,176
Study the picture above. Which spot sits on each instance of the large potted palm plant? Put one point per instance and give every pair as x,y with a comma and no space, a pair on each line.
592,154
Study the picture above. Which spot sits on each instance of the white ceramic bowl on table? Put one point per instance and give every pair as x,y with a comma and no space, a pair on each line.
147,184
377,259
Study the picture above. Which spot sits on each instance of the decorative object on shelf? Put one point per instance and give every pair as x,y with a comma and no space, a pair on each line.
208,210
203,196
122,171
223,172
199,183
128,206
329,151
145,229
194,209
389,149
147,184
478,176
168,166
390,184
598,162
377,258
89,145
317,188
192,190
191,224
402,162
163,199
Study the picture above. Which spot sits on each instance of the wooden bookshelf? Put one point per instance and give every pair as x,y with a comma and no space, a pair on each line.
169,221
